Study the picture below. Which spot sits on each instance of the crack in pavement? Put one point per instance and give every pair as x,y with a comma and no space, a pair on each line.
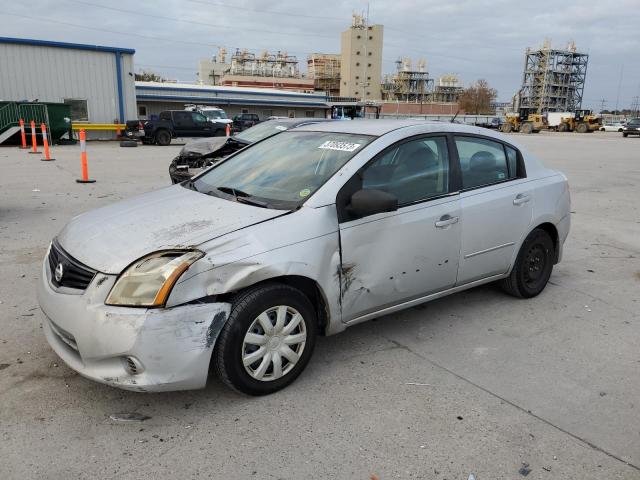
509,402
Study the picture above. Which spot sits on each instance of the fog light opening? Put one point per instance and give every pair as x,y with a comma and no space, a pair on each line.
132,365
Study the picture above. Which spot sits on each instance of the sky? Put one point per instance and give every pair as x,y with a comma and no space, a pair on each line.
471,38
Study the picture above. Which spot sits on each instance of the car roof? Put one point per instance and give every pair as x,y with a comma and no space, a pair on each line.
380,127
292,122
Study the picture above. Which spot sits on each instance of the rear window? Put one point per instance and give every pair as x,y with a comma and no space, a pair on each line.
485,162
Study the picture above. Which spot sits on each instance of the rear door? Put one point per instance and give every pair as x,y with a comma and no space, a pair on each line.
390,258
183,124
496,205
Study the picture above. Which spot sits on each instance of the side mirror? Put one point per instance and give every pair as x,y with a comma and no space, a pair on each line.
367,202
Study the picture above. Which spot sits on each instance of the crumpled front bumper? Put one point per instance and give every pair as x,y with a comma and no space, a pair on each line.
171,347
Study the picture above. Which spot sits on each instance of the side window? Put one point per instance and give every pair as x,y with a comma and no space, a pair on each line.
183,119
412,171
482,162
512,161
165,116
198,117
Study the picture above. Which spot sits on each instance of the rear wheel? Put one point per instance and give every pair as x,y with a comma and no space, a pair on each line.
506,127
625,134
267,341
582,128
563,127
533,266
527,127
163,138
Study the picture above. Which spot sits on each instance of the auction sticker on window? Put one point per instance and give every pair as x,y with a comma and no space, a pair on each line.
340,146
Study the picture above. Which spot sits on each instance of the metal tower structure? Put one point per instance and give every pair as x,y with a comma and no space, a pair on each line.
553,80
408,84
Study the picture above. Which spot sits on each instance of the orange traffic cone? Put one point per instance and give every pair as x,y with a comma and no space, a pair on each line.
83,158
45,141
34,144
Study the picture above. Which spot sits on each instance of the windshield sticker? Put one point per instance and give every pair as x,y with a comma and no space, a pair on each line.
340,146
305,192
280,127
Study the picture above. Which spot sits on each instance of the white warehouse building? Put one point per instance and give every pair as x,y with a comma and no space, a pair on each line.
96,81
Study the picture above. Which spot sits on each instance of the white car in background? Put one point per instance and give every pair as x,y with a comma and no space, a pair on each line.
304,233
612,126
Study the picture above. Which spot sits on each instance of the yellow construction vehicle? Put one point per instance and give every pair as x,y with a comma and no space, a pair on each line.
524,122
583,121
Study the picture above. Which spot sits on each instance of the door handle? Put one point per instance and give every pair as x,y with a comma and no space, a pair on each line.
445,221
521,199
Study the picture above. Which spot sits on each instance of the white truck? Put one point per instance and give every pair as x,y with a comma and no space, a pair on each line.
554,119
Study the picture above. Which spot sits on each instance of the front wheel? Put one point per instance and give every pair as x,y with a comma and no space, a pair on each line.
533,266
267,340
163,138
527,128
625,134
582,128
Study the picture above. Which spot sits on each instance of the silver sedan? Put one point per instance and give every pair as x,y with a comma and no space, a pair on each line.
237,271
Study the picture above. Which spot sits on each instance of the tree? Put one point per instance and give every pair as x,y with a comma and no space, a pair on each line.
146,76
477,98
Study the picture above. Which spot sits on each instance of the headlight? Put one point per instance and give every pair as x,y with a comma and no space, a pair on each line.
148,281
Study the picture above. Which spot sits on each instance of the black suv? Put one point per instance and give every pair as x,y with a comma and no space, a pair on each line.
244,121
632,127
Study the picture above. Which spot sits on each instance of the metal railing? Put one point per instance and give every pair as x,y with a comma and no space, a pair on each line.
9,116
36,112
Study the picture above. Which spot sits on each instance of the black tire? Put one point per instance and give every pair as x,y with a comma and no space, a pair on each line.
247,306
128,143
582,128
533,266
506,127
563,127
625,134
527,127
620,130
163,137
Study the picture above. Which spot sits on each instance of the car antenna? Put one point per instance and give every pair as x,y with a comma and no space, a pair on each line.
453,120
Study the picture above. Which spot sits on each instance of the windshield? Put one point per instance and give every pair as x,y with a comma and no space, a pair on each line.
261,131
284,170
214,114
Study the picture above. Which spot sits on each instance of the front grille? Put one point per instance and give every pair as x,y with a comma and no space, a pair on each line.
74,274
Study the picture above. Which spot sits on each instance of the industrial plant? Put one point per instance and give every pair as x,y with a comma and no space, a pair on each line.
553,79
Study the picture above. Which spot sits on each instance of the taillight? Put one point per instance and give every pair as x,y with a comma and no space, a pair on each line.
140,126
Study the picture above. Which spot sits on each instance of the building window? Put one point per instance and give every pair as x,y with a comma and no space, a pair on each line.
245,110
358,37
267,113
79,110
370,37
291,114
357,77
356,92
369,64
309,113
368,93
368,78
369,53
370,28
357,64
142,110
358,52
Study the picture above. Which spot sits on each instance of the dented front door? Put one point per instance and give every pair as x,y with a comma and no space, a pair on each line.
395,257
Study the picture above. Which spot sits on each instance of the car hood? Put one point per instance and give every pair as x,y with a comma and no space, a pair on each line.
110,238
203,146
